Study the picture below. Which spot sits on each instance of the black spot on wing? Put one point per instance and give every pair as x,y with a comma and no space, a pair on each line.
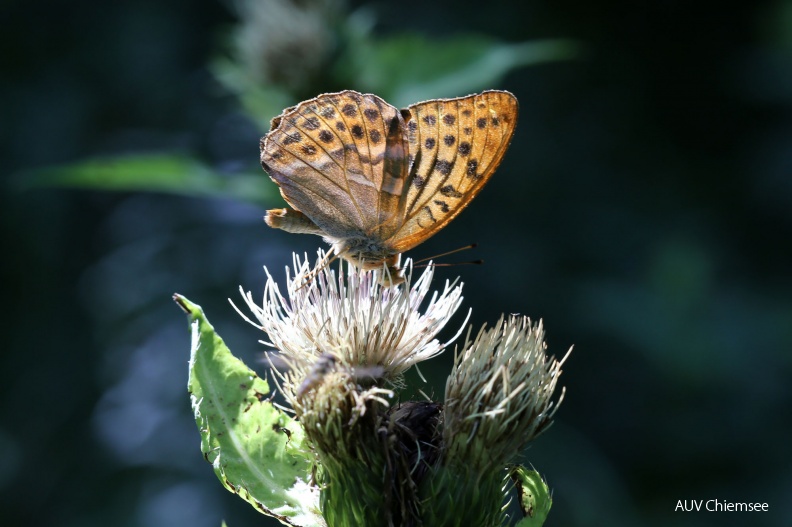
450,191
291,138
326,136
472,168
443,166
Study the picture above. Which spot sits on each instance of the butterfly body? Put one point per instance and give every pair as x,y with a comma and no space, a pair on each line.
375,181
364,251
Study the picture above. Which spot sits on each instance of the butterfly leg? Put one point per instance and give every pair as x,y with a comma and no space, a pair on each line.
291,220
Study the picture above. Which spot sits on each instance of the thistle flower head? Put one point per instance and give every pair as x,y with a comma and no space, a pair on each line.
350,323
285,42
499,396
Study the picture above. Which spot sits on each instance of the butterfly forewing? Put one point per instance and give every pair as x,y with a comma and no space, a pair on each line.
423,145
455,146
341,159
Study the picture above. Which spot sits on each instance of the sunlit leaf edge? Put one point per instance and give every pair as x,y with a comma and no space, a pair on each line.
534,496
243,435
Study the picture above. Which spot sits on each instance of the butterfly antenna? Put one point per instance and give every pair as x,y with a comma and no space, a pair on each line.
472,262
465,248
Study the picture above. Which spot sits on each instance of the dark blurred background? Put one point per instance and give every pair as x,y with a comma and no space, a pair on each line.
644,211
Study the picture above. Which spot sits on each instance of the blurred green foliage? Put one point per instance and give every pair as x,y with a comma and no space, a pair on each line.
170,173
402,69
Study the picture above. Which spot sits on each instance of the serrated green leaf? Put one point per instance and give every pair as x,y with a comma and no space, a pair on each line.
405,69
169,173
534,495
257,451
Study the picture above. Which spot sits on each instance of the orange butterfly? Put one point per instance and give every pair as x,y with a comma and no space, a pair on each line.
375,181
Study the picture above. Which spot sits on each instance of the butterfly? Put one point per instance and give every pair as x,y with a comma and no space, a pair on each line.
376,181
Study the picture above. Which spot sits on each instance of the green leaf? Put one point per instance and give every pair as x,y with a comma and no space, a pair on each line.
257,451
405,69
534,494
170,173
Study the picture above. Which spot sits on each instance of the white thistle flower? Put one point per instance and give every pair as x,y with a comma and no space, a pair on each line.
499,396
354,318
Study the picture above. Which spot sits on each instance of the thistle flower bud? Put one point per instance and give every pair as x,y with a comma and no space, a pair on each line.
499,396
497,399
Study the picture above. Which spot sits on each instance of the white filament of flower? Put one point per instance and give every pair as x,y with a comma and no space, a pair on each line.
353,317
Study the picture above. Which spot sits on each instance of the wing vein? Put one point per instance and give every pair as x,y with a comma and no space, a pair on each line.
341,116
306,163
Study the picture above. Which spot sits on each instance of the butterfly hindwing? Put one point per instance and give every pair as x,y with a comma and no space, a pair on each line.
341,159
455,145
